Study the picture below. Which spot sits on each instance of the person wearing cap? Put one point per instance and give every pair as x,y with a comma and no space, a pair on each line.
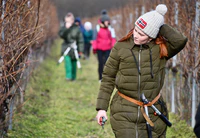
136,66
102,41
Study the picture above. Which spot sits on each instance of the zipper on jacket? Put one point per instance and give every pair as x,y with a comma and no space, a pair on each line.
139,59
136,127
139,64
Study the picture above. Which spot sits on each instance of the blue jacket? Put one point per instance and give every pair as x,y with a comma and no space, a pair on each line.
78,19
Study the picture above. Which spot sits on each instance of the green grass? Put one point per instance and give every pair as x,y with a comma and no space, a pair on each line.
55,108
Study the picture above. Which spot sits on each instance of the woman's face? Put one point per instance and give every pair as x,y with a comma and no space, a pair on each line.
106,23
140,37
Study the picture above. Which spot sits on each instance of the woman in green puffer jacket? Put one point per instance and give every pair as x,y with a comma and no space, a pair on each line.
136,65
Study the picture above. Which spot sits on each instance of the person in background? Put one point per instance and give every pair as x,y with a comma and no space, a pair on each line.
88,36
136,67
102,41
197,124
79,23
71,33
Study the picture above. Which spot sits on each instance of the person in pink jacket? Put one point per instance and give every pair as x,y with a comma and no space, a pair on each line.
103,41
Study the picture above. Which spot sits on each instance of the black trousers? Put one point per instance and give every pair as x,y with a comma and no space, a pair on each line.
87,47
102,58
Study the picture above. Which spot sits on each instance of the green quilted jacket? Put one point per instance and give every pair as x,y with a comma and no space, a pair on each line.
134,70
70,35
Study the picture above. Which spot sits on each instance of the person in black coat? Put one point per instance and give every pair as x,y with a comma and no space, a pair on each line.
197,125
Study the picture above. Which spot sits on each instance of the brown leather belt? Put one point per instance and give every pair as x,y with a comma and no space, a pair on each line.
142,105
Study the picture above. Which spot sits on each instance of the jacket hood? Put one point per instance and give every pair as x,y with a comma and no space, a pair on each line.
78,19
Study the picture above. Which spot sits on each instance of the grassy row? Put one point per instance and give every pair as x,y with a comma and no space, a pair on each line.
56,108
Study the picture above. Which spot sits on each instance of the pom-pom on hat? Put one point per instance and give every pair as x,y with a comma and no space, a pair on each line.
104,16
150,22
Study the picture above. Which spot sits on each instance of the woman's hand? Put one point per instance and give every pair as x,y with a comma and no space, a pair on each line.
101,113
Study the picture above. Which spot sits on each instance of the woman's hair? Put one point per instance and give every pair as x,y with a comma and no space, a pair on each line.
130,33
163,48
159,41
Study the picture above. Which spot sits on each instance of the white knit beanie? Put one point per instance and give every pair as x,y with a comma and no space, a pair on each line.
88,26
150,22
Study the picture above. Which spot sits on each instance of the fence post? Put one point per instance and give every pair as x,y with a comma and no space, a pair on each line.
2,16
174,60
194,87
3,129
